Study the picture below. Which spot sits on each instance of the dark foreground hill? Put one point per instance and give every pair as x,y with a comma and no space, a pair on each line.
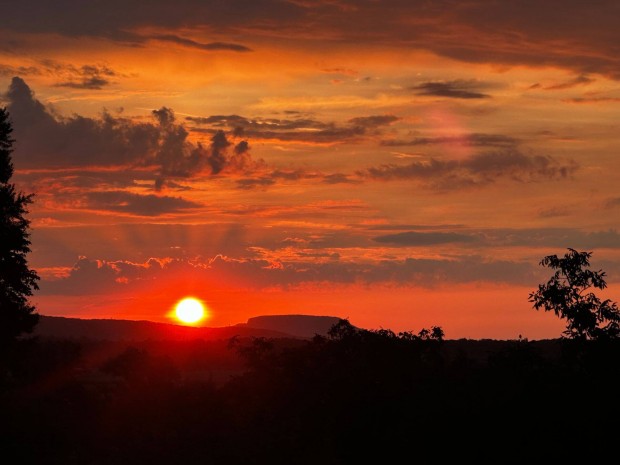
274,326
353,397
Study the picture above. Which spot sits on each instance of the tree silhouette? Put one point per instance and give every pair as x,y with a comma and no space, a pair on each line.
17,281
566,295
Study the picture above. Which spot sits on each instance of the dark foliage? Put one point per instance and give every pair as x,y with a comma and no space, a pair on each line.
17,281
566,294
354,396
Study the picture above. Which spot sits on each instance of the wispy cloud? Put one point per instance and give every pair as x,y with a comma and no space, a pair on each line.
459,89
91,77
474,140
295,129
582,38
580,80
415,238
86,77
209,46
137,204
476,170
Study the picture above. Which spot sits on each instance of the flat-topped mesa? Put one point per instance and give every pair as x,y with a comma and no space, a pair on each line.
306,326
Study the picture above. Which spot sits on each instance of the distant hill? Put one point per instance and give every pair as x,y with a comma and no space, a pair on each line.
271,326
305,326
127,330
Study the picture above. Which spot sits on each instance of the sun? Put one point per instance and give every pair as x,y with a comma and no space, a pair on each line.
190,310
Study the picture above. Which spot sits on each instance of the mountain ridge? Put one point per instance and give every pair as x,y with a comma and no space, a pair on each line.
270,326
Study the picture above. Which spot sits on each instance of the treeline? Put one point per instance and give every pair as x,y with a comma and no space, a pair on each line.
355,396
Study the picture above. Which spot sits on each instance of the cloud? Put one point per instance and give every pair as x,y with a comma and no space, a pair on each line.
251,183
563,33
341,71
124,20
137,204
297,257
505,237
552,237
96,276
293,129
373,121
211,46
578,81
414,238
8,70
586,100
90,77
278,175
46,140
555,212
91,83
478,169
90,276
460,89
270,124
612,202
474,140
339,178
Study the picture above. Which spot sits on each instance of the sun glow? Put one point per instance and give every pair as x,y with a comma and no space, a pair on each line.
190,310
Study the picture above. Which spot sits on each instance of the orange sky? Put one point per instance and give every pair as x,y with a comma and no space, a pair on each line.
399,163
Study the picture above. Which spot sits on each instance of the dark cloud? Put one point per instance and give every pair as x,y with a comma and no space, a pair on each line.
474,140
119,20
612,202
92,83
507,33
64,182
414,238
479,169
251,183
373,121
572,34
540,237
164,116
341,71
293,129
277,175
293,175
8,70
141,240
339,178
211,46
92,77
46,140
592,100
561,238
552,237
87,77
578,81
89,276
554,212
417,227
330,135
272,124
460,89
242,147
137,204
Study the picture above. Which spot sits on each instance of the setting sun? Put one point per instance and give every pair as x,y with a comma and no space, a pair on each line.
190,310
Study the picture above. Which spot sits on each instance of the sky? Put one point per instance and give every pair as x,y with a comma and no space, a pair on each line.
403,164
